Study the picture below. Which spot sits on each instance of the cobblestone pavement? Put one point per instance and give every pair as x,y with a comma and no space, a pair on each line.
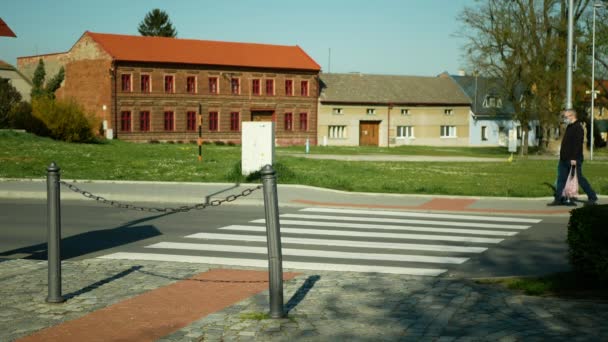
323,306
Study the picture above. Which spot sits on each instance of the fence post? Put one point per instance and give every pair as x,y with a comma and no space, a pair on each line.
53,233
275,258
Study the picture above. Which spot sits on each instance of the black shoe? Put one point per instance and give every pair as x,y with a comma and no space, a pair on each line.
570,203
554,203
590,203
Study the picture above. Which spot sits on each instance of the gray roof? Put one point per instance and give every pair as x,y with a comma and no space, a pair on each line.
478,88
406,90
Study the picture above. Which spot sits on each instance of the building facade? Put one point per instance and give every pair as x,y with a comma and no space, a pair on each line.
17,80
153,88
387,110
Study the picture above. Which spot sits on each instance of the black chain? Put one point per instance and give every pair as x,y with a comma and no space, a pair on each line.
183,209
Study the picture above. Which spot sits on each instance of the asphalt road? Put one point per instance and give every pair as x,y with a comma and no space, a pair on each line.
92,230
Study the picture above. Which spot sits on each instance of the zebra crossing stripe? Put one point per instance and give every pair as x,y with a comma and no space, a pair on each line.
264,264
342,243
417,214
309,253
368,234
407,221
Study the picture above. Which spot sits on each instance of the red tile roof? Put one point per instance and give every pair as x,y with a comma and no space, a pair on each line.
5,30
190,51
4,65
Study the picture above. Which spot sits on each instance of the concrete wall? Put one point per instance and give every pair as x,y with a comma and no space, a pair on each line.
16,80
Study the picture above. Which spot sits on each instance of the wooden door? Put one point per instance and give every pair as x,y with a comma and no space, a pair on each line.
368,133
262,115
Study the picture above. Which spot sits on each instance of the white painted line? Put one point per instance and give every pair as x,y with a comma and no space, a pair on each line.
264,264
309,253
381,226
342,243
394,227
429,222
429,215
368,234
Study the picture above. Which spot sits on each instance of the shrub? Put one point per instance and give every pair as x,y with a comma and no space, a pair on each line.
588,241
65,120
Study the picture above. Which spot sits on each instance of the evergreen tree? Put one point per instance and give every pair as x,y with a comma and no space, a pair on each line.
157,23
54,83
38,80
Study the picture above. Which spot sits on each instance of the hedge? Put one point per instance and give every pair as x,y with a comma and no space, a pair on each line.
588,241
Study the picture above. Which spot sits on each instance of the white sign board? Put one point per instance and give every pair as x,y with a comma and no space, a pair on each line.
512,140
257,146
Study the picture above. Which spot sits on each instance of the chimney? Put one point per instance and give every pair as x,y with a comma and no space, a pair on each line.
461,72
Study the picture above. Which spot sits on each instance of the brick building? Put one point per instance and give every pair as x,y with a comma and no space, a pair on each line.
152,88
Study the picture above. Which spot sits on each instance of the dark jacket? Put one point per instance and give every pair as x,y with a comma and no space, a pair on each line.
572,143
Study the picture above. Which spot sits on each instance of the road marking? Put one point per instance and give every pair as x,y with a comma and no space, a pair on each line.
388,220
264,264
342,243
415,214
368,234
309,253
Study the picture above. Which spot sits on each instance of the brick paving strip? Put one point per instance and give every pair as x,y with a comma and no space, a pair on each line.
159,312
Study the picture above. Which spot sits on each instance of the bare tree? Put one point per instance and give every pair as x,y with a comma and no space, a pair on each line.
523,42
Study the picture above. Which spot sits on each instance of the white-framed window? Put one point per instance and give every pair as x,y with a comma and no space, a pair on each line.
484,133
492,101
405,111
371,111
405,131
337,111
448,131
337,132
448,111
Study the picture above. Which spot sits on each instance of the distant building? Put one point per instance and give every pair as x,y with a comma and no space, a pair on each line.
152,88
390,110
20,82
492,115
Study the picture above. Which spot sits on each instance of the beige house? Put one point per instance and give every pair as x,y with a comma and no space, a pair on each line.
20,82
387,110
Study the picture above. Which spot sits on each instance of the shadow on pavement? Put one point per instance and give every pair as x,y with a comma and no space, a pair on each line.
102,282
90,242
299,295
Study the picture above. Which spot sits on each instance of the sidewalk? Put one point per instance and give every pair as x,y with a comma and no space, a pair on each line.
176,194
323,306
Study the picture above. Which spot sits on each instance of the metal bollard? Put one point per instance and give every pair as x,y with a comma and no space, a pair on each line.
273,232
53,233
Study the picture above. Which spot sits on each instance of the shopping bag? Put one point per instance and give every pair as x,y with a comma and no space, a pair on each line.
571,188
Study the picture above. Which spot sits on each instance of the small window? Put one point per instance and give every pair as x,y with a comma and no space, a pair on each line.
191,84
405,111
337,111
234,122
492,101
169,122
269,87
288,121
448,111
213,118
448,131
191,121
125,121
337,132
126,82
484,133
169,84
304,88
288,87
303,121
255,87
144,121
235,86
213,86
146,87
405,131
371,111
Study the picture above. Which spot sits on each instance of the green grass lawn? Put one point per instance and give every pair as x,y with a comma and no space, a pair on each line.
482,152
27,156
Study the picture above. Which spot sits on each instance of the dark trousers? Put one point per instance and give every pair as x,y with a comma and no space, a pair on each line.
563,171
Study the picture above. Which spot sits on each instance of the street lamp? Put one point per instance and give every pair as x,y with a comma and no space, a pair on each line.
596,5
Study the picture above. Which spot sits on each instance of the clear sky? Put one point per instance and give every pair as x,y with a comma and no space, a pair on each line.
407,37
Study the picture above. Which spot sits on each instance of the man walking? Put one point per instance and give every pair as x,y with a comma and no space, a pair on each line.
571,155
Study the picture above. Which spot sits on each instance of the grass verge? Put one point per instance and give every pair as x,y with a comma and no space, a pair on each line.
24,155
565,284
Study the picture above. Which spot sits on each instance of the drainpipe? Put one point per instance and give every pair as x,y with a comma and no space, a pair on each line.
114,92
388,129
